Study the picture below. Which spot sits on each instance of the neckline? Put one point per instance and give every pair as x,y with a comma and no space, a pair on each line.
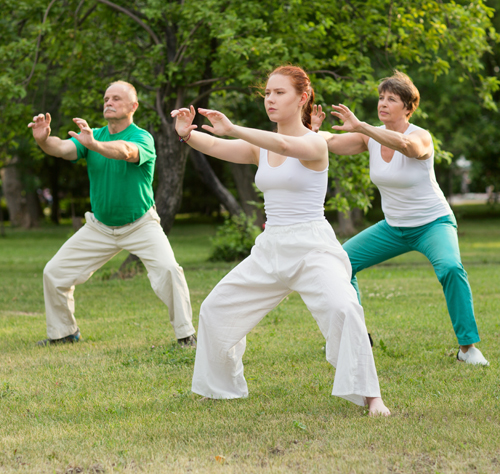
395,151
286,158
274,167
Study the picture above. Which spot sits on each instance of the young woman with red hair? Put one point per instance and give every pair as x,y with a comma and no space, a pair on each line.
298,250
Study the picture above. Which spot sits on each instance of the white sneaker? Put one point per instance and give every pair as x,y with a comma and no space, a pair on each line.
472,356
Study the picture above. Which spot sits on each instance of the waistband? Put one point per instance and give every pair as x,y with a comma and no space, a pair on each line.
285,229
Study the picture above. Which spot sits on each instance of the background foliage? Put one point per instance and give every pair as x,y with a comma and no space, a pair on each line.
59,56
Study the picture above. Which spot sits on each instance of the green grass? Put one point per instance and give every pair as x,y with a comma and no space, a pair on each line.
120,401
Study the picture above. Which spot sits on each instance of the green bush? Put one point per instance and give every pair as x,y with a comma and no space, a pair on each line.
234,238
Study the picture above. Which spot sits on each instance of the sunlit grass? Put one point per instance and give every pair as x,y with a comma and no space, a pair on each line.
120,401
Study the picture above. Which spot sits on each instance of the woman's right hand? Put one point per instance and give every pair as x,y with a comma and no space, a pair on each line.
184,120
351,122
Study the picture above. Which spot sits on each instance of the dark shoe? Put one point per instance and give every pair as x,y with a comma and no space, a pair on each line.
187,342
64,340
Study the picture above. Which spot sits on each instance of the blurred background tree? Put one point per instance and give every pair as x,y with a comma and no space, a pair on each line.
58,57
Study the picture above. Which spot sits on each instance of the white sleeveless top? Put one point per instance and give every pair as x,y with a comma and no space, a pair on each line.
411,196
293,194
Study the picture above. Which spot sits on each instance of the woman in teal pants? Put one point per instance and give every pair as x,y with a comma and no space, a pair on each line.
417,215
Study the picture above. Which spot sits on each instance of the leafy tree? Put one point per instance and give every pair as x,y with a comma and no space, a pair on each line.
181,52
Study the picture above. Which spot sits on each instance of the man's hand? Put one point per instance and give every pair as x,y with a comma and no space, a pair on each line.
221,125
317,118
184,120
86,136
40,127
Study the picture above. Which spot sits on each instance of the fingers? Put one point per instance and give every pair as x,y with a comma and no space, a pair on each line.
208,128
341,108
210,113
183,112
40,119
82,124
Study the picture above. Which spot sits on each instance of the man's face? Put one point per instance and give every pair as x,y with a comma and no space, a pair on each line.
119,103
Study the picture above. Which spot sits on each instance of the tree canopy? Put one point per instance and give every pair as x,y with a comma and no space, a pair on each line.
58,57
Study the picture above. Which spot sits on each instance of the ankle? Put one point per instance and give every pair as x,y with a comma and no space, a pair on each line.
464,349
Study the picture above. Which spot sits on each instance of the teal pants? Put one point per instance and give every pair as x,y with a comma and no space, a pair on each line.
438,241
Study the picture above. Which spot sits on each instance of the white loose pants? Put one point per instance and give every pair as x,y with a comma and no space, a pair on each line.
306,258
91,247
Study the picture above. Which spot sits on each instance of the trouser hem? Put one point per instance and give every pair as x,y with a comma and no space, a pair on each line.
469,342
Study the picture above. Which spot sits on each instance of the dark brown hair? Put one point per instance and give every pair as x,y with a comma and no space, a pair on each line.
401,85
301,82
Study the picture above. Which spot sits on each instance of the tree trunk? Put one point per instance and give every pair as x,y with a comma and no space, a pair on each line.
171,156
54,189
207,175
348,222
24,207
170,166
12,190
33,210
244,176
2,229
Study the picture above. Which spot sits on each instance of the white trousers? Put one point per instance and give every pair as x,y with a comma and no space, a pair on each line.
91,247
306,258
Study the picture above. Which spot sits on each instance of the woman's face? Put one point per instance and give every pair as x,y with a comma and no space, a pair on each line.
281,99
390,107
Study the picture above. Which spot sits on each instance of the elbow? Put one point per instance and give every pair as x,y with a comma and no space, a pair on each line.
131,154
406,148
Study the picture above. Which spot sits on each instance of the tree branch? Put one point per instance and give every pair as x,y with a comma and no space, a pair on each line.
89,12
206,81
331,73
134,17
39,40
180,53
215,89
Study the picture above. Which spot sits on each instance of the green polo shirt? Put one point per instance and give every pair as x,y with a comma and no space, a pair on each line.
120,192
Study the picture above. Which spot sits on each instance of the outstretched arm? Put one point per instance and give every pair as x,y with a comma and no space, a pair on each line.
235,151
53,146
115,150
306,148
417,144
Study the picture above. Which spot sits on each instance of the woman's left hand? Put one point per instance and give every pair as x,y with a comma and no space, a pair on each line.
221,125
351,122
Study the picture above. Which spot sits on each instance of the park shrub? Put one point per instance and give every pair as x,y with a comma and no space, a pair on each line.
234,238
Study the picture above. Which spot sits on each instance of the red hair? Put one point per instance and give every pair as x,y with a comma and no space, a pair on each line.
301,82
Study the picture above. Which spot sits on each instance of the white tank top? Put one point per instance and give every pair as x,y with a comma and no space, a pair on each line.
293,194
411,196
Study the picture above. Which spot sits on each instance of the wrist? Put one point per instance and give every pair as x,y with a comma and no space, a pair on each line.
183,138
234,131
361,127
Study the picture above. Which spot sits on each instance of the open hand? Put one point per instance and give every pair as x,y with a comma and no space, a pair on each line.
41,127
221,125
317,117
184,120
351,122
86,136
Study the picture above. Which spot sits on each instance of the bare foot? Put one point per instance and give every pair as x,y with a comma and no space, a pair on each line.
376,407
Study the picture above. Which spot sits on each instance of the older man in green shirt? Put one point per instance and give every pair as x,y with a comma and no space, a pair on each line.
120,163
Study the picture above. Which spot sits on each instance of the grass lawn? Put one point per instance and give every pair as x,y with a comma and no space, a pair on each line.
120,400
